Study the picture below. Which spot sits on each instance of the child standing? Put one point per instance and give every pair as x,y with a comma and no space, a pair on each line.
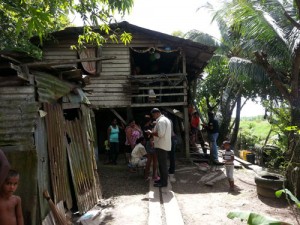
228,157
10,204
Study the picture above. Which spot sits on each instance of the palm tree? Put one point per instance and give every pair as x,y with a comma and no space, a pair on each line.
220,85
270,29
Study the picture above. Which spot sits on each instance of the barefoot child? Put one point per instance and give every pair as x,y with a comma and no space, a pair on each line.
228,157
10,204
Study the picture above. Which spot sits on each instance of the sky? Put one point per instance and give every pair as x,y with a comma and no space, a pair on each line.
167,16
252,109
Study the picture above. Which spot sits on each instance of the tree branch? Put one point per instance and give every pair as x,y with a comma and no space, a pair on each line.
295,74
271,73
298,6
297,25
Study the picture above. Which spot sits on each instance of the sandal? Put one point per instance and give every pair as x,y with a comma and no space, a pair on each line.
156,178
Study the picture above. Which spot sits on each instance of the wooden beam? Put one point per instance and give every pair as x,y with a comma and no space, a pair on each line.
59,62
71,105
118,115
158,104
177,113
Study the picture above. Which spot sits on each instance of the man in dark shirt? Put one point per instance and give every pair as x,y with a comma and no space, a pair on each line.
213,133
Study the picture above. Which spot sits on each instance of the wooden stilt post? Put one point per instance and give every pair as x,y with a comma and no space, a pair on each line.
186,132
185,111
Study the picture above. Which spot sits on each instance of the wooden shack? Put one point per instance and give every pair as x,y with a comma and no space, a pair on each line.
154,70
47,134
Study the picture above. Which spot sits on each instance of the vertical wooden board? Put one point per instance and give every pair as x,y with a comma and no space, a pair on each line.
43,165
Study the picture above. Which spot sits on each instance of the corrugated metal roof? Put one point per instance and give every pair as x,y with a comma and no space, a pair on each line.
50,88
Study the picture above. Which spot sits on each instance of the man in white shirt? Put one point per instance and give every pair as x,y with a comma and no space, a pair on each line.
162,143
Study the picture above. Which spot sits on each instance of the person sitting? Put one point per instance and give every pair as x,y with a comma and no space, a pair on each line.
138,154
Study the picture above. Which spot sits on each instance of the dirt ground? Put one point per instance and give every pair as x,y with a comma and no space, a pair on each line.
126,200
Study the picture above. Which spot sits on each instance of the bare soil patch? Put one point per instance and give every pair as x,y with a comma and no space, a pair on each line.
126,197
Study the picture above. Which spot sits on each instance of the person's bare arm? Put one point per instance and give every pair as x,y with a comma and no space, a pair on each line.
4,167
128,135
108,134
19,214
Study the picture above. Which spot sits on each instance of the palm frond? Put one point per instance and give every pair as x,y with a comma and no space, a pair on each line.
200,37
244,67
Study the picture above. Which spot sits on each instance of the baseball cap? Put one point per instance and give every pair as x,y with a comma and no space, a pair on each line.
155,110
226,142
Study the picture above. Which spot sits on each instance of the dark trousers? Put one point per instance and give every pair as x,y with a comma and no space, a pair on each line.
113,152
162,157
172,156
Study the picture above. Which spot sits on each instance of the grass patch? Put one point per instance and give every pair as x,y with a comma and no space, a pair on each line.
259,128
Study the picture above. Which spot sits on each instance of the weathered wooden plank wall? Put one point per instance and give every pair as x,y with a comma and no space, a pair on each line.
18,114
61,51
110,88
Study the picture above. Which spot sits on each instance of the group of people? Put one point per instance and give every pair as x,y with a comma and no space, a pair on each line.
155,141
10,204
151,144
212,129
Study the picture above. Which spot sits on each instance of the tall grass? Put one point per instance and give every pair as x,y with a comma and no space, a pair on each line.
257,127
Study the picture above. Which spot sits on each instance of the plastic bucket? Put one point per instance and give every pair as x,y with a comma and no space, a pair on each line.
250,158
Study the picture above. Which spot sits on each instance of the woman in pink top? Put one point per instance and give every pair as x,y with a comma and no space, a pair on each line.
133,132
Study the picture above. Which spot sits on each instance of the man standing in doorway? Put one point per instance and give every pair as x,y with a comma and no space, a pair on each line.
213,134
162,144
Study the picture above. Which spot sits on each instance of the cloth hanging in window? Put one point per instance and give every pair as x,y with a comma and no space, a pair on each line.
89,67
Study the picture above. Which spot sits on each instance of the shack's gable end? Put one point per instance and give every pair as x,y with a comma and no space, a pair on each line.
112,86
149,53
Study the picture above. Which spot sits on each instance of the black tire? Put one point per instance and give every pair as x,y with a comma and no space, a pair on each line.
265,192
268,183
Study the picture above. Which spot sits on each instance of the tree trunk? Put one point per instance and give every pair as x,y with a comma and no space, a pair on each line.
236,128
293,153
227,106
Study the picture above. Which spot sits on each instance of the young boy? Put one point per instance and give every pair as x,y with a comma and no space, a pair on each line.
228,157
10,204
